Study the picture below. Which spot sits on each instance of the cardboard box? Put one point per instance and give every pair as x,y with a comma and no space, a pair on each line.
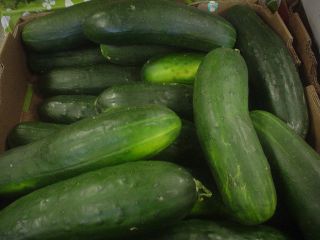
18,101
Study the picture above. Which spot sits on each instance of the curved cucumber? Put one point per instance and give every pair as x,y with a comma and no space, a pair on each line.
275,83
113,203
172,68
133,55
177,97
67,108
28,132
159,22
86,80
116,136
229,141
296,167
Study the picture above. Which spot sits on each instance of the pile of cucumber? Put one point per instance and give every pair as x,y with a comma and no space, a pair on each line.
160,121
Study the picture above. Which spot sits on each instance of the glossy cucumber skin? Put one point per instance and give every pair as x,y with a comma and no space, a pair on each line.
172,68
67,108
295,167
275,83
133,55
114,137
109,203
28,132
228,138
196,229
86,80
43,62
159,22
177,97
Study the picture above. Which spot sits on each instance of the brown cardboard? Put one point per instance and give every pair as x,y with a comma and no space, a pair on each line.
314,115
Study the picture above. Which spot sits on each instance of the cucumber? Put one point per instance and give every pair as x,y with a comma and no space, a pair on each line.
62,29
172,68
109,203
177,97
275,83
28,132
67,108
159,22
295,167
133,55
116,136
228,138
196,229
43,62
86,80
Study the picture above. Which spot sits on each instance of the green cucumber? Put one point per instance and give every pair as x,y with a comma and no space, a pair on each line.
28,132
159,22
67,108
133,55
275,83
172,68
196,229
296,168
116,136
228,138
62,29
177,97
86,80
109,203
43,62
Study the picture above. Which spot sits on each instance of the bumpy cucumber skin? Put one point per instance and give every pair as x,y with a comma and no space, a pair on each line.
275,83
27,132
114,137
172,68
296,168
109,203
86,80
196,229
159,22
228,139
134,55
67,108
177,97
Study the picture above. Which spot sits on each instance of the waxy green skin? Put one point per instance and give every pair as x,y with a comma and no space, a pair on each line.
295,167
275,83
67,108
172,68
159,22
196,229
116,136
177,97
109,203
228,139
86,80
27,132
43,62
133,55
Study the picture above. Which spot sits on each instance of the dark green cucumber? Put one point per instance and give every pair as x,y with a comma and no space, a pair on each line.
86,80
296,167
62,29
116,136
196,229
133,55
172,68
43,62
109,203
275,83
67,108
28,132
227,136
177,97
159,22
